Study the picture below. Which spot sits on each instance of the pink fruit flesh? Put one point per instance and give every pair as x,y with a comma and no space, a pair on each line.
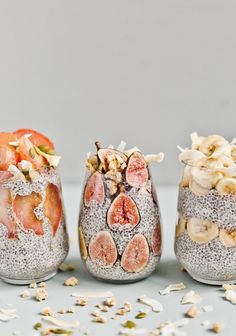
136,171
5,202
102,248
123,210
136,254
94,189
156,239
5,175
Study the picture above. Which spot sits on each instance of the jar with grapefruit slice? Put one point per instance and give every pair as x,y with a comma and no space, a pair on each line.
33,237
119,221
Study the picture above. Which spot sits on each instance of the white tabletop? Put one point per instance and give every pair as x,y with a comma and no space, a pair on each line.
167,272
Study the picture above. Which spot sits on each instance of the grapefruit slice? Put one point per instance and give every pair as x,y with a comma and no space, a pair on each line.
53,206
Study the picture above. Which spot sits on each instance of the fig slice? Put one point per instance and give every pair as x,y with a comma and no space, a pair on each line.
53,206
136,254
156,239
102,248
94,189
136,172
82,245
5,202
23,207
107,155
123,211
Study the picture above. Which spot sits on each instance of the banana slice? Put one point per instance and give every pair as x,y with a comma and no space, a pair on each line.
212,143
228,238
226,185
181,226
201,231
196,140
185,177
191,155
196,188
206,178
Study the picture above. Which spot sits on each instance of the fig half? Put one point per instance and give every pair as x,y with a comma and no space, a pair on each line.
136,254
102,248
123,211
94,189
136,172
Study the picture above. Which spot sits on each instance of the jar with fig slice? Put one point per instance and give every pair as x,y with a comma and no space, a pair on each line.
205,239
33,236
119,222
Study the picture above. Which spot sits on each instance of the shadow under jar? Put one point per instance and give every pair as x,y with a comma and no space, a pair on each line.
33,237
205,241
119,222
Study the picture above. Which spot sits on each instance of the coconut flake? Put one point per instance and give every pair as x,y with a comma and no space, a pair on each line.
7,314
25,165
191,297
133,331
230,295
228,286
121,146
172,287
17,174
154,157
59,323
129,152
154,304
53,160
191,155
172,328
205,323
92,294
207,309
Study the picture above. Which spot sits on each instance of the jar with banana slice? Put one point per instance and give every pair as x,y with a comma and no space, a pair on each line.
205,239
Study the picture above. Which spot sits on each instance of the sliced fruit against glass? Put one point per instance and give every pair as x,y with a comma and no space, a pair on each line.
8,154
6,138
226,185
156,239
123,211
38,139
181,226
111,157
5,203
53,206
28,152
5,175
136,172
24,207
228,238
103,248
82,245
136,254
94,189
201,231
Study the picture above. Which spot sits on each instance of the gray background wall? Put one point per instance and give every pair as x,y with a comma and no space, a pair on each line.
148,72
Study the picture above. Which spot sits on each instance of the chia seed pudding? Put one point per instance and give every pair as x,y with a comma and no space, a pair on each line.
119,222
205,242
33,237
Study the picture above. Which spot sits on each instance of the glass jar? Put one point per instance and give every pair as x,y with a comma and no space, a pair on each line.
119,222
33,237
205,241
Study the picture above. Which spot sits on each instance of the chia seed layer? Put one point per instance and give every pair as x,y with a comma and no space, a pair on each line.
93,219
210,261
32,256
